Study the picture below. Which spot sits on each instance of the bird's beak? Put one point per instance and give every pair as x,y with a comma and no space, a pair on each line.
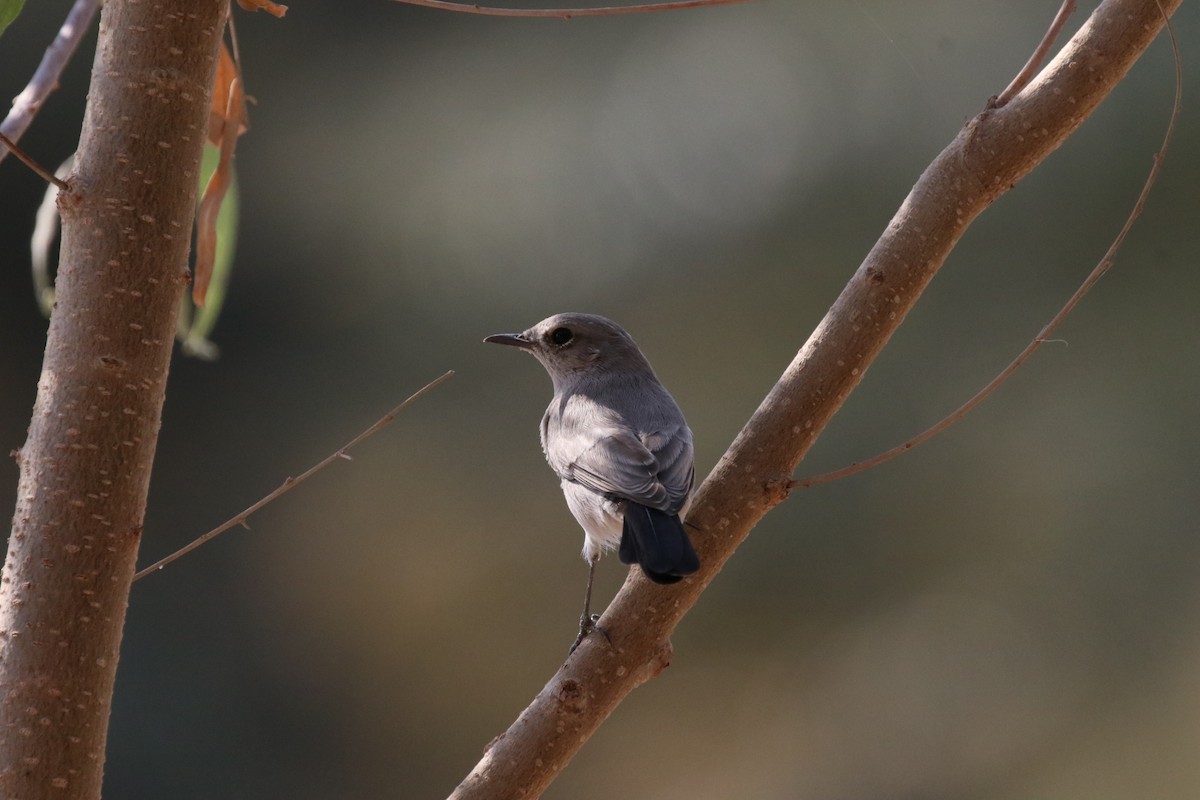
513,339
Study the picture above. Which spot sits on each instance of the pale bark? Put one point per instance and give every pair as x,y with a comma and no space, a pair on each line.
85,467
985,160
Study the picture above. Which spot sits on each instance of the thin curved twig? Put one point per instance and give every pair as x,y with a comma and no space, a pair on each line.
292,483
45,79
1035,61
1097,272
567,13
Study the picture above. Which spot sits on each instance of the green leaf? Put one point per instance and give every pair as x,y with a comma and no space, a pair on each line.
8,12
45,236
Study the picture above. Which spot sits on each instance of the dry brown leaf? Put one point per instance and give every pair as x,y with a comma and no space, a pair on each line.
226,72
230,127
264,5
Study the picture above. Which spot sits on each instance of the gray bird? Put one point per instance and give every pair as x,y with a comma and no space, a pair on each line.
618,442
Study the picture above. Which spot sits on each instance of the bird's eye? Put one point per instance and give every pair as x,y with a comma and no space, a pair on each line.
561,336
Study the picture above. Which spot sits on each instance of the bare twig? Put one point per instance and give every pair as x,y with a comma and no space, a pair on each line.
29,161
987,158
1102,267
1039,55
567,13
292,483
45,78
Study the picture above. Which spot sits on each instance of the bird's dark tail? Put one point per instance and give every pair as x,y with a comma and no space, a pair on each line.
657,541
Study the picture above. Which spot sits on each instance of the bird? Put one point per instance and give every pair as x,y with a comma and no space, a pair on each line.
619,444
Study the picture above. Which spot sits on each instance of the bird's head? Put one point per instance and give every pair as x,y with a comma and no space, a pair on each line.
574,345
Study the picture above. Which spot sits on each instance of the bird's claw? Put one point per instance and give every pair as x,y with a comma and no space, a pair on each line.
587,624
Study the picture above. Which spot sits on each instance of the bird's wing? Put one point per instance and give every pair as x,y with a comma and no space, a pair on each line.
673,451
654,470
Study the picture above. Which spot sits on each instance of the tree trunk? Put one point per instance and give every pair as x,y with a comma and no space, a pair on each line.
85,468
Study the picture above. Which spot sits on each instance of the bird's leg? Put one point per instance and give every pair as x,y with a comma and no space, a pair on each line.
587,621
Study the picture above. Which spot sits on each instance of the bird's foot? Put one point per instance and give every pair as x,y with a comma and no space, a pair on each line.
587,624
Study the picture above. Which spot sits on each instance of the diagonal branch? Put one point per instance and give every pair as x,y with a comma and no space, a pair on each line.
1105,263
986,159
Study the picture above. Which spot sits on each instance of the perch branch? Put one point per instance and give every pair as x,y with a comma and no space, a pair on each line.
985,160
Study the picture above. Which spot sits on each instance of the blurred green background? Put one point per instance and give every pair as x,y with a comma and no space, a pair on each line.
1010,611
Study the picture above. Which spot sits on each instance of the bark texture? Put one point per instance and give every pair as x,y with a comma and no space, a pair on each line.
85,467
988,156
